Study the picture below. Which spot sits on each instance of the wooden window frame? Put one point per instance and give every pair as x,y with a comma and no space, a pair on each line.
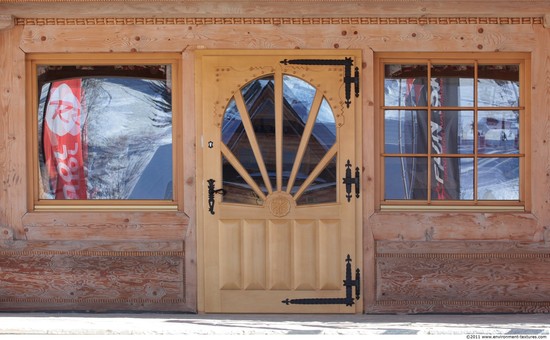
429,58
34,202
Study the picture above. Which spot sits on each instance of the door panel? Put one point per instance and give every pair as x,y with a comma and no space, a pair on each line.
276,139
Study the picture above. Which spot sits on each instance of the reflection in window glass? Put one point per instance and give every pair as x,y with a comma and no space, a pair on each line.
235,138
405,85
452,132
406,131
498,179
498,132
324,129
232,125
297,100
297,104
259,96
323,188
406,178
452,178
474,138
452,85
106,132
498,85
236,188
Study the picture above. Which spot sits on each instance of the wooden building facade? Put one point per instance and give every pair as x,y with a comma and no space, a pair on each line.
254,219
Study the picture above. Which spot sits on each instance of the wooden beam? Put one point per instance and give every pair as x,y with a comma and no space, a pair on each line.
6,21
265,8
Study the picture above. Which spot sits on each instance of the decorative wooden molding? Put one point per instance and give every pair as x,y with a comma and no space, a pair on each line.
464,303
6,21
285,21
89,301
466,256
89,253
130,1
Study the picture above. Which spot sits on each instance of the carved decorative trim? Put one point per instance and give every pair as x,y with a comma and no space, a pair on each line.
90,253
466,256
283,21
95,300
466,303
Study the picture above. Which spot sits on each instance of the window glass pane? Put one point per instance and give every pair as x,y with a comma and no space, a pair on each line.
452,85
498,132
406,131
405,85
315,151
299,95
236,188
259,97
452,132
297,100
105,132
232,125
324,129
322,139
235,138
498,85
406,178
323,188
452,178
498,179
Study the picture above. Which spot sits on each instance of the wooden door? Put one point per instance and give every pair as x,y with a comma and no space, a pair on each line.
277,222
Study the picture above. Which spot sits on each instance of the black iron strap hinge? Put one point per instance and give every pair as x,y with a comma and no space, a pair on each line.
211,192
349,181
346,62
349,300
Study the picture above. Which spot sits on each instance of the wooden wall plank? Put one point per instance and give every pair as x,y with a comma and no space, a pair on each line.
540,123
454,226
105,232
116,278
12,131
176,38
105,226
480,276
466,279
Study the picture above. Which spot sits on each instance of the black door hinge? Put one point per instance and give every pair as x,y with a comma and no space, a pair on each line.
346,62
349,300
349,181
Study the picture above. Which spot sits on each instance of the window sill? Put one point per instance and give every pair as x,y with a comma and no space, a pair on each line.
456,208
105,207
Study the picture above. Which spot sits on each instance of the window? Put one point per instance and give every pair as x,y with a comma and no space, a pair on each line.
301,119
453,131
103,131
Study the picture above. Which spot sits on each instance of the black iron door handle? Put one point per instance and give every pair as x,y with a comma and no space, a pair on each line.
211,192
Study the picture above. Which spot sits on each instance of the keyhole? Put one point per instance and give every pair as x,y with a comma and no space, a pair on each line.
210,144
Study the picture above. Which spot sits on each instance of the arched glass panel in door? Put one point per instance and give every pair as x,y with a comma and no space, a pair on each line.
279,143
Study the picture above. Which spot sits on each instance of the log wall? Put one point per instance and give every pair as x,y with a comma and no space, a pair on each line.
414,262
